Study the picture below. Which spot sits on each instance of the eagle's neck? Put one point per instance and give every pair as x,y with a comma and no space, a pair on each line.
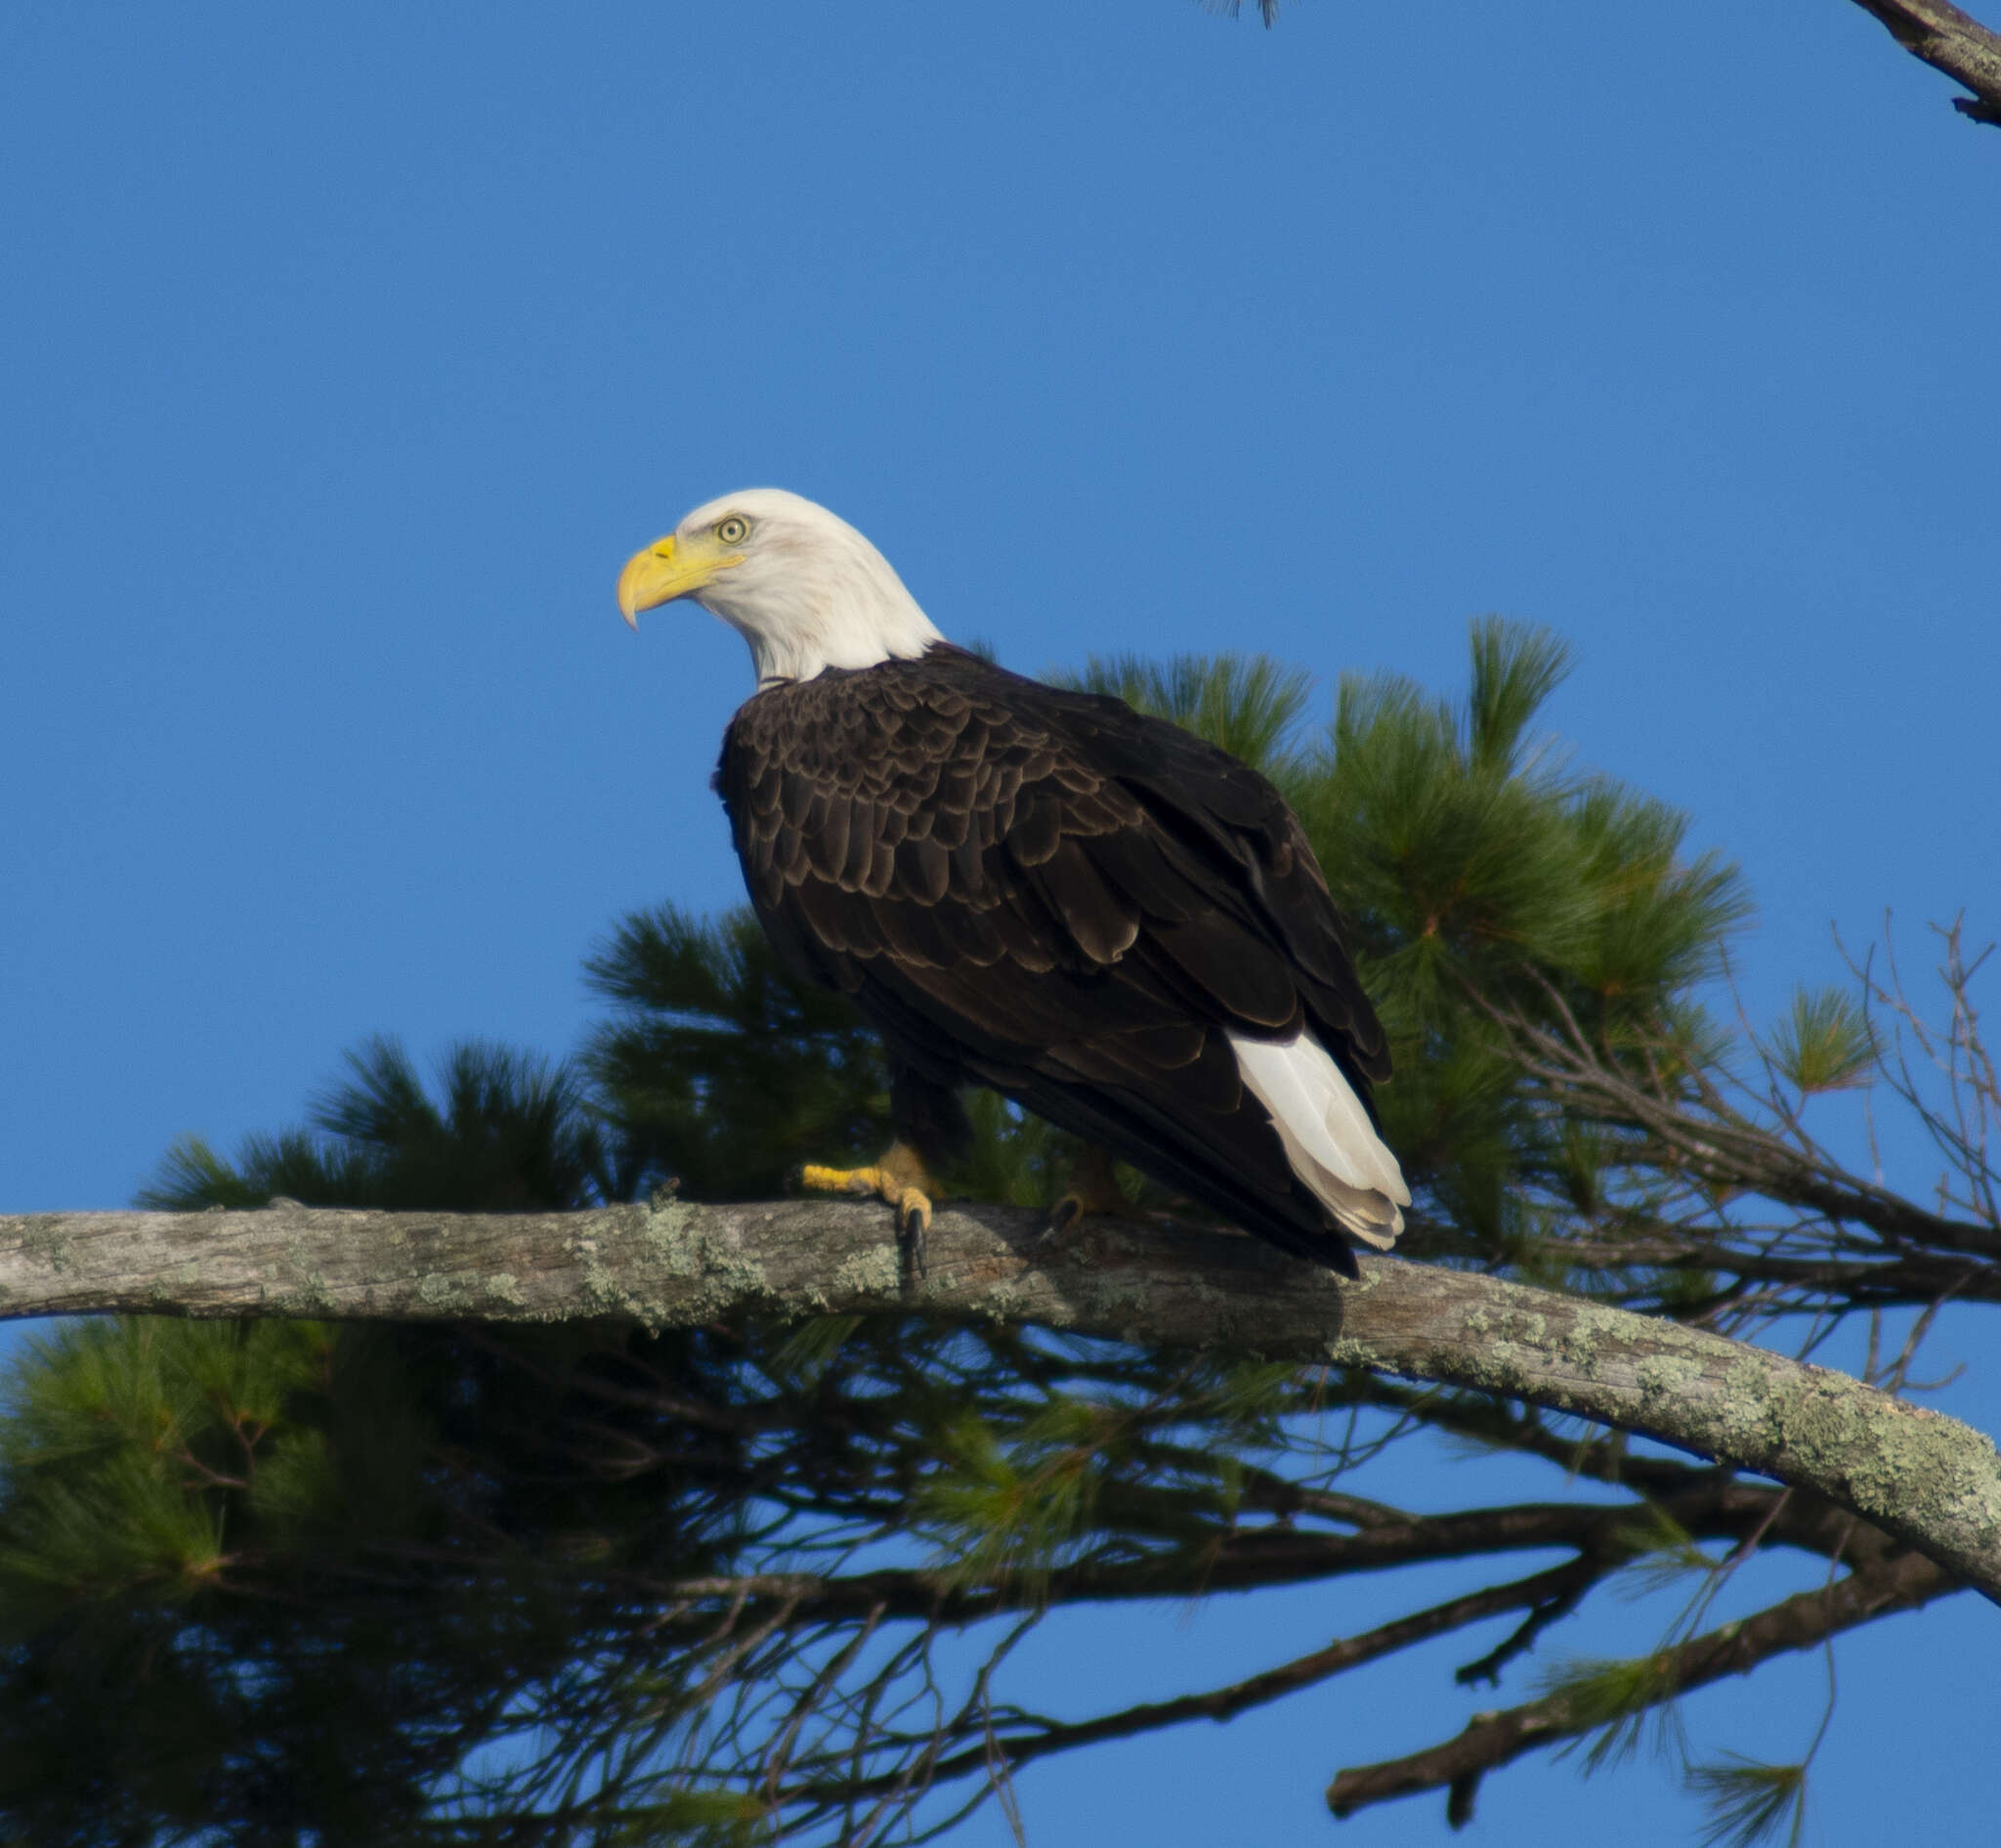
846,608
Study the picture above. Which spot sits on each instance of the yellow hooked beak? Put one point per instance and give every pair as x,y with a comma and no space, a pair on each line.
667,569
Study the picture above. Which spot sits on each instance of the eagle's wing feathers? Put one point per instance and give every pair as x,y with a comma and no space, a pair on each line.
1080,906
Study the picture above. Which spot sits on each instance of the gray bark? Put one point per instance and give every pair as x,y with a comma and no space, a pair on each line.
1951,41
1928,1480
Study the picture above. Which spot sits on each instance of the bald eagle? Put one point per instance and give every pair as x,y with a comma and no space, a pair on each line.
1094,911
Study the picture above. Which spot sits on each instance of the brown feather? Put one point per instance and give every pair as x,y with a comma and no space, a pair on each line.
1044,892
1103,927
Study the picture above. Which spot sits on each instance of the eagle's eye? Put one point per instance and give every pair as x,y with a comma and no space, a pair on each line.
732,530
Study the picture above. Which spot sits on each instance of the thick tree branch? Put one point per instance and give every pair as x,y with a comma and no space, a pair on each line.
1948,40
1924,1477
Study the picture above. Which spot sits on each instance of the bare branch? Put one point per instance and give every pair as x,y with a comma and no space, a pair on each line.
1924,1477
1734,1152
1951,41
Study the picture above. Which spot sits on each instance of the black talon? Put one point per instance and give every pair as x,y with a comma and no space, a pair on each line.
1062,1217
909,1240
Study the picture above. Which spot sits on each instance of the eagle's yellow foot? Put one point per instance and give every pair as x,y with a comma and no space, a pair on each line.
1092,1189
899,1178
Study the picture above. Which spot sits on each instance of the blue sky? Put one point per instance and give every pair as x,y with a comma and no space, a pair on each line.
344,358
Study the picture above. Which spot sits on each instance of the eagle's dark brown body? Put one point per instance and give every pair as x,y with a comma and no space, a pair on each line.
1049,893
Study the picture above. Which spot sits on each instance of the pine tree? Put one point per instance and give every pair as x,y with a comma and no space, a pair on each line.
295,1584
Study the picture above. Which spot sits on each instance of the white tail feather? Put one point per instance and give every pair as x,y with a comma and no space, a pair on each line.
1329,1143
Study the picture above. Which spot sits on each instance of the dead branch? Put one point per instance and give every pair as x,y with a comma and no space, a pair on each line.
1951,41
1728,1149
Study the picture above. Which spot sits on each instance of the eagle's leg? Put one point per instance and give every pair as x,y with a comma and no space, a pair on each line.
897,1176
931,1128
1091,1188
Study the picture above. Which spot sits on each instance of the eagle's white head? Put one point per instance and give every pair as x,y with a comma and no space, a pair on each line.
800,584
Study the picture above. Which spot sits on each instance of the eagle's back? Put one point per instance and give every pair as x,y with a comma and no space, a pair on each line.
1047,893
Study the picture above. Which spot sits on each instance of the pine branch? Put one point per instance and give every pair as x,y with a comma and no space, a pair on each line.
1890,1580
1926,1478
1024,1744
1603,1538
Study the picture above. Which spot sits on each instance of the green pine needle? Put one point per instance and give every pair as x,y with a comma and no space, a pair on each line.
1011,1513
1613,1702
813,1347
1749,1803
1249,704
1824,1043
1664,1553
1516,669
